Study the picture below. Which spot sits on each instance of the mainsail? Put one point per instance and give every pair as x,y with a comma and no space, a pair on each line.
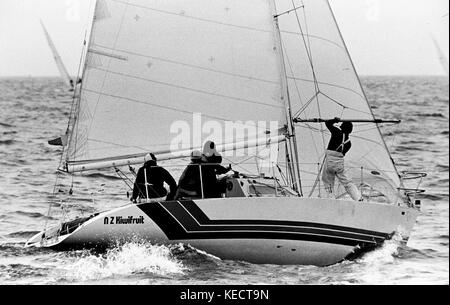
323,84
152,66
59,63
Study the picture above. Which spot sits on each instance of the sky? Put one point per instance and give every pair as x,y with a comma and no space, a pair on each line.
384,37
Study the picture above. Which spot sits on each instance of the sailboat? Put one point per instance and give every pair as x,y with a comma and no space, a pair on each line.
442,58
153,66
58,60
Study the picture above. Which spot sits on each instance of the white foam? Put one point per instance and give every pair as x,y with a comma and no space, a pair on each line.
385,254
130,258
371,268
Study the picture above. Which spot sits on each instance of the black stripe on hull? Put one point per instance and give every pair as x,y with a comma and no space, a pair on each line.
198,214
186,221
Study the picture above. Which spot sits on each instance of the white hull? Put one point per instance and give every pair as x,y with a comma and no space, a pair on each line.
306,231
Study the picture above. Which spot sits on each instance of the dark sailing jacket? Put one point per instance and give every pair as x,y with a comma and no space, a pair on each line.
156,176
190,184
339,141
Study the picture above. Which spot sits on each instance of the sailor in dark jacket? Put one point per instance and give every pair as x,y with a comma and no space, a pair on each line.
211,168
190,184
153,176
338,147
199,179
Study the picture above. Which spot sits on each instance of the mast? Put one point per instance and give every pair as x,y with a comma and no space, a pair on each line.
293,164
75,113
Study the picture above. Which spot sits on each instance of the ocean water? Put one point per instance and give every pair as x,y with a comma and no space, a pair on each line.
34,110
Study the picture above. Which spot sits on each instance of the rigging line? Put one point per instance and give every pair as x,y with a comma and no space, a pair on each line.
74,96
342,113
190,65
301,110
170,108
125,179
288,12
333,100
308,50
364,130
317,180
72,118
239,165
309,53
327,84
342,105
307,28
76,123
292,71
75,104
321,125
281,174
116,39
188,89
315,37
292,151
298,90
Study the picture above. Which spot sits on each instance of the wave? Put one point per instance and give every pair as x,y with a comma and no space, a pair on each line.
19,271
385,254
445,167
411,253
192,254
102,176
431,115
7,142
6,125
433,197
18,250
32,214
22,234
127,259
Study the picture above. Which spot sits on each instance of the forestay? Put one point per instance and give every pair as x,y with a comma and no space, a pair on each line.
324,84
152,63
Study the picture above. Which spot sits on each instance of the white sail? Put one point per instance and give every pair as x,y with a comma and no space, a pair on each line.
324,84
154,64
442,58
59,63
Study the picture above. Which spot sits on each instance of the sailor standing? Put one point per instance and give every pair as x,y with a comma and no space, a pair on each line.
338,147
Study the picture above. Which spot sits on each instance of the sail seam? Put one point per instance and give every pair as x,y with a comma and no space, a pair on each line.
190,65
186,88
192,17
226,24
